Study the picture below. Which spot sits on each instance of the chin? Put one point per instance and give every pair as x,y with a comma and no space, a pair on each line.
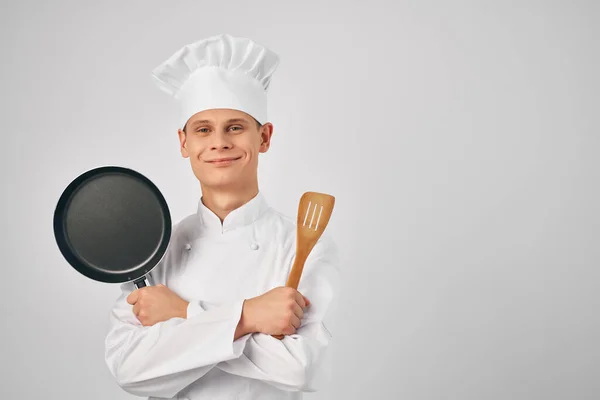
220,184
221,178
218,181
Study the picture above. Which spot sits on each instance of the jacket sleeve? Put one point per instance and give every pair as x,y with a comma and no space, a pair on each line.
162,359
299,362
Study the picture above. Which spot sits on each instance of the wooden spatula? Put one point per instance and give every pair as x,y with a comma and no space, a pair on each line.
314,212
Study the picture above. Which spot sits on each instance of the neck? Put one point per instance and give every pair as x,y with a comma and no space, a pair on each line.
222,201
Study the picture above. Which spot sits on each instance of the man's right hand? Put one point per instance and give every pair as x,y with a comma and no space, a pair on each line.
276,312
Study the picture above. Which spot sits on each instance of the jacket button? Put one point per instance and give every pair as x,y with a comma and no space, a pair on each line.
188,246
254,246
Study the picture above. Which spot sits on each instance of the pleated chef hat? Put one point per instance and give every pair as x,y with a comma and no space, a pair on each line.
219,72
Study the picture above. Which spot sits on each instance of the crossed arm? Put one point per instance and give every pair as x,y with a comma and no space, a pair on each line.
163,358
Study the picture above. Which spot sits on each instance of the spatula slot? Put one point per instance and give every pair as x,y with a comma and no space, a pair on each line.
312,219
307,212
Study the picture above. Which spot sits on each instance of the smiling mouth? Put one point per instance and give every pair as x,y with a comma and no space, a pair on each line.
223,161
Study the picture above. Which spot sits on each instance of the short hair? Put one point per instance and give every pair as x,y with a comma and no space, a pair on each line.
258,125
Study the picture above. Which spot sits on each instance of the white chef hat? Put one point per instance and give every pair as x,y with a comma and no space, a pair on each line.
219,72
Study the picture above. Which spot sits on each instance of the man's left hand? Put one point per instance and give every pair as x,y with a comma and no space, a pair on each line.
153,304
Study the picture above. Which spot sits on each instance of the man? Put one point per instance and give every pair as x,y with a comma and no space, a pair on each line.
203,329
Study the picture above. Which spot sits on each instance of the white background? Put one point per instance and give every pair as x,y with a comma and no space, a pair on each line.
459,138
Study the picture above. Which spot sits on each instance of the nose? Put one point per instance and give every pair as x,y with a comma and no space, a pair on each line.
220,141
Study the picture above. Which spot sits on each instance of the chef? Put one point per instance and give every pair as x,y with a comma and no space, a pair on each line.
203,328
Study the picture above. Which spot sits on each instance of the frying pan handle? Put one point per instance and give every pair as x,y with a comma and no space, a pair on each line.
141,282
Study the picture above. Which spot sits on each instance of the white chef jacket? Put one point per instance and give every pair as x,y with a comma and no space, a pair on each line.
215,266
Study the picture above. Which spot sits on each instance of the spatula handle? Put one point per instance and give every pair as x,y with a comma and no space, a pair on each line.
294,277
293,280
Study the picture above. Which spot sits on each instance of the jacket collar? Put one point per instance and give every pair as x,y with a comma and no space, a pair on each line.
244,215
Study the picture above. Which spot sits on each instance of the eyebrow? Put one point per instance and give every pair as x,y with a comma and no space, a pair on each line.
238,120
204,121
229,121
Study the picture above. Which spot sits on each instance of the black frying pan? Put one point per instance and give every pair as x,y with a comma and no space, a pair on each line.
113,225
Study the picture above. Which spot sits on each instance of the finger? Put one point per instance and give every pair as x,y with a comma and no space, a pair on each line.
136,309
132,298
307,301
300,300
298,311
290,330
295,321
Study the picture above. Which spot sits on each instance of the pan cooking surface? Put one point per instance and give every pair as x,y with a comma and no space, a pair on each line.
113,222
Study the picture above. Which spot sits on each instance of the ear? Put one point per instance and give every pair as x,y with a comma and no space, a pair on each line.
266,132
183,143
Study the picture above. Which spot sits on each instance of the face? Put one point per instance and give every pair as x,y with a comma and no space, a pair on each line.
223,147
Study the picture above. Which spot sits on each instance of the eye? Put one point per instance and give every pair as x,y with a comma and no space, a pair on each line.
202,130
236,128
